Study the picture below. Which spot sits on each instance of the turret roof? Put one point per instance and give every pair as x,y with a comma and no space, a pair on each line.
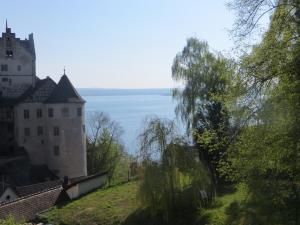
64,92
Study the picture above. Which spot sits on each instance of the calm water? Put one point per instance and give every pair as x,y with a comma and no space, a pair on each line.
129,108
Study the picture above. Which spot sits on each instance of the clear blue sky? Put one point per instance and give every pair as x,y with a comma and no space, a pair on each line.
116,44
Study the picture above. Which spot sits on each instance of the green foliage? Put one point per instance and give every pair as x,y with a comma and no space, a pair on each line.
206,79
118,205
10,221
227,209
122,172
204,76
172,177
266,153
104,148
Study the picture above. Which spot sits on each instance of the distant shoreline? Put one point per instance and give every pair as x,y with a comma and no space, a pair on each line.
124,92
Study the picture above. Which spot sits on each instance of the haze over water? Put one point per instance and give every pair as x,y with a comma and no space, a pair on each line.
129,107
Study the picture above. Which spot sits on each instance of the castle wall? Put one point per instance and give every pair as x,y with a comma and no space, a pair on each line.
71,157
34,143
64,152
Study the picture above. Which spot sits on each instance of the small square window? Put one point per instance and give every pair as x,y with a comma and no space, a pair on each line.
19,67
26,114
56,150
56,131
27,131
39,113
40,131
9,53
4,67
50,112
79,111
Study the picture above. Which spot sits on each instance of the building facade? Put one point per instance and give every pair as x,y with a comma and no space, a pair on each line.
45,118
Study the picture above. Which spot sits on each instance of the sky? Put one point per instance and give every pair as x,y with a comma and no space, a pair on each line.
116,43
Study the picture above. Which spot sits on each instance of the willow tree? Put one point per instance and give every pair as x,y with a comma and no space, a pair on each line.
200,104
172,177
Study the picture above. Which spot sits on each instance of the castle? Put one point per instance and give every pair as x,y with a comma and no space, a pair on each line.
39,118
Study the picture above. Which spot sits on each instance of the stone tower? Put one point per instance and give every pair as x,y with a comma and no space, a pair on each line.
17,63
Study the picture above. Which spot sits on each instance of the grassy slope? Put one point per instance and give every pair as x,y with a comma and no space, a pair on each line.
108,206
118,205
224,210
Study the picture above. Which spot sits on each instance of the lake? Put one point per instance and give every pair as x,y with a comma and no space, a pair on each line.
129,107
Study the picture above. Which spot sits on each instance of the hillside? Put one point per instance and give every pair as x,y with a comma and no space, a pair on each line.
108,206
118,205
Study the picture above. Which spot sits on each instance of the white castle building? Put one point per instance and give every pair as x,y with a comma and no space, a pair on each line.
44,118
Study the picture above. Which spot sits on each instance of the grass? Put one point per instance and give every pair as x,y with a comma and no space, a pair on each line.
109,206
225,210
118,205
10,221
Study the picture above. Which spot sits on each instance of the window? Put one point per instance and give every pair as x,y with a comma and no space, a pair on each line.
50,112
56,150
26,114
79,111
9,53
56,131
4,67
83,128
65,112
19,67
39,113
4,79
27,131
40,131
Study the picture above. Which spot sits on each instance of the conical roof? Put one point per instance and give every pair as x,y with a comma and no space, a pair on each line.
64,92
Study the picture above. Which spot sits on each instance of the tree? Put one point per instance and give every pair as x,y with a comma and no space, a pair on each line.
200,105
250,13
104,148
266,156
168,170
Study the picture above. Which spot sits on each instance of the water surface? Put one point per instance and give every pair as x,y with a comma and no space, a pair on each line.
129,107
